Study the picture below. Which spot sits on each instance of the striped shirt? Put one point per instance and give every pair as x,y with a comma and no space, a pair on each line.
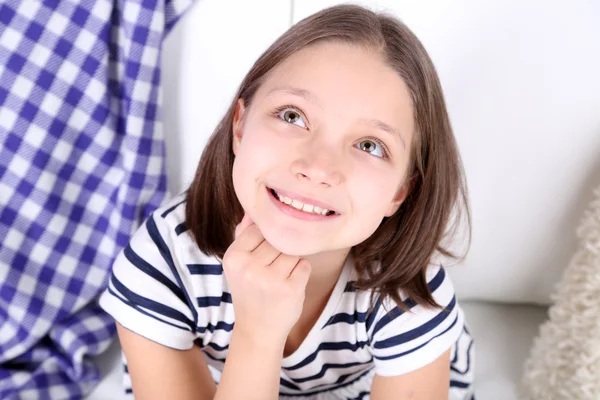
165,289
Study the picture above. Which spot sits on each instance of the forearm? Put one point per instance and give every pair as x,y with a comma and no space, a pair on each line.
252,369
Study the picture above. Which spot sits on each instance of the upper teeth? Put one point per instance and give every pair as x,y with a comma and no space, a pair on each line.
301,206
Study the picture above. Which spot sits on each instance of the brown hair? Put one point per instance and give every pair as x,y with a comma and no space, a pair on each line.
404,243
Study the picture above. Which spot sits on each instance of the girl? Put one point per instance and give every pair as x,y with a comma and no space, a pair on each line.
301,262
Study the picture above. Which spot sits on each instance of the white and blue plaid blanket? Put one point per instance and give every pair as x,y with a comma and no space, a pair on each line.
81,165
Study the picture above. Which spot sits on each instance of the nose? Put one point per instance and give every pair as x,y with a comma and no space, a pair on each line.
319,163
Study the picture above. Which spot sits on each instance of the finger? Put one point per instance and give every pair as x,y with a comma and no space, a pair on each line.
284,264
301,273
249,239
265,253
244,223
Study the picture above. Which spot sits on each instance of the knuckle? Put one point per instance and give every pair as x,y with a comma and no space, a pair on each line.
252,230
248,275
230,259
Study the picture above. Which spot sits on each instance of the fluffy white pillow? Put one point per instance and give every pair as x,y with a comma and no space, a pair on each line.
565,359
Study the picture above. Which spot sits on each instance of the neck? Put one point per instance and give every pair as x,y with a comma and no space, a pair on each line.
325,272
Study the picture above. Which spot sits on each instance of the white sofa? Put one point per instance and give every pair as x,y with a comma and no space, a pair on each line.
522,87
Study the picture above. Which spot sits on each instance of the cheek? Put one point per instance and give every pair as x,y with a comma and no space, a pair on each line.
258,153
260,143
239,179
373,193
369,204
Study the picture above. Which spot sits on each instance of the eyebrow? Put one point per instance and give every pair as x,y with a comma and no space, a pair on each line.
308,96
294,91
377,124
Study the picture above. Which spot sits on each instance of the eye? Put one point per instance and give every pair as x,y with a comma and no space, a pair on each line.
291,115
373,146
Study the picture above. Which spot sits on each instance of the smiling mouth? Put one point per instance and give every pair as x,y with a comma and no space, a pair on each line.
298,205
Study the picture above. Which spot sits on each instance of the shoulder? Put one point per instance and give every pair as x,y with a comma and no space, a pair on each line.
405,340
442,290
162,234
160,279
171,215
167,224
196,267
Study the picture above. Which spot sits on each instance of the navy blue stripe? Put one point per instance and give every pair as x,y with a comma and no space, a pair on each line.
373,314
468,367
211,301
342,378
168,210
328,366
328,346
350,287
459,384
455,356
361,396
357,317
138,309
333,387
394,313
136,299
220,325
418,347
418,331
217,347
166,254
289,385
179,229
151,271
205,269
213,357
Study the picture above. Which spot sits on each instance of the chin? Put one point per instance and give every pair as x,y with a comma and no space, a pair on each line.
292,246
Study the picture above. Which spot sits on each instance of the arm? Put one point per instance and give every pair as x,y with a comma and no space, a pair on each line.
252,369
267,288
160,372
431,382
411,349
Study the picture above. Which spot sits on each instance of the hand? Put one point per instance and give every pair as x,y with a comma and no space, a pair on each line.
267,287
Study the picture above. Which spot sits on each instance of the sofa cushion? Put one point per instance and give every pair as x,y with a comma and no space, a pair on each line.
565,359
503,336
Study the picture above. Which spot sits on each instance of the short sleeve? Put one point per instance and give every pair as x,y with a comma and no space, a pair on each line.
146,293
402,342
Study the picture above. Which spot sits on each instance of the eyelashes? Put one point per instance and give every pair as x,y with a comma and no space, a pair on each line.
385,153
292,108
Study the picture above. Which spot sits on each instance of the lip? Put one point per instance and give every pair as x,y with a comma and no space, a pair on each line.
291,211
304,200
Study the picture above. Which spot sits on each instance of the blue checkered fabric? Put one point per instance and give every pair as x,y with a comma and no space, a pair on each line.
81,165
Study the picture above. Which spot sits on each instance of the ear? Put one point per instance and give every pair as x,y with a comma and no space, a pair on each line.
399,198
237,125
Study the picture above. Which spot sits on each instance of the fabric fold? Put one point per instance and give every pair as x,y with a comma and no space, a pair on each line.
82,165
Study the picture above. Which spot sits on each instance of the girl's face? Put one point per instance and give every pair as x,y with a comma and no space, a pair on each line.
330,129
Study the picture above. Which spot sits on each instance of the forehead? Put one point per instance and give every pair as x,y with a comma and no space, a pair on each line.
343,79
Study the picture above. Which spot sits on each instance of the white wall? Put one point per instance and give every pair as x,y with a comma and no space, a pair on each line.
523,90
205,59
